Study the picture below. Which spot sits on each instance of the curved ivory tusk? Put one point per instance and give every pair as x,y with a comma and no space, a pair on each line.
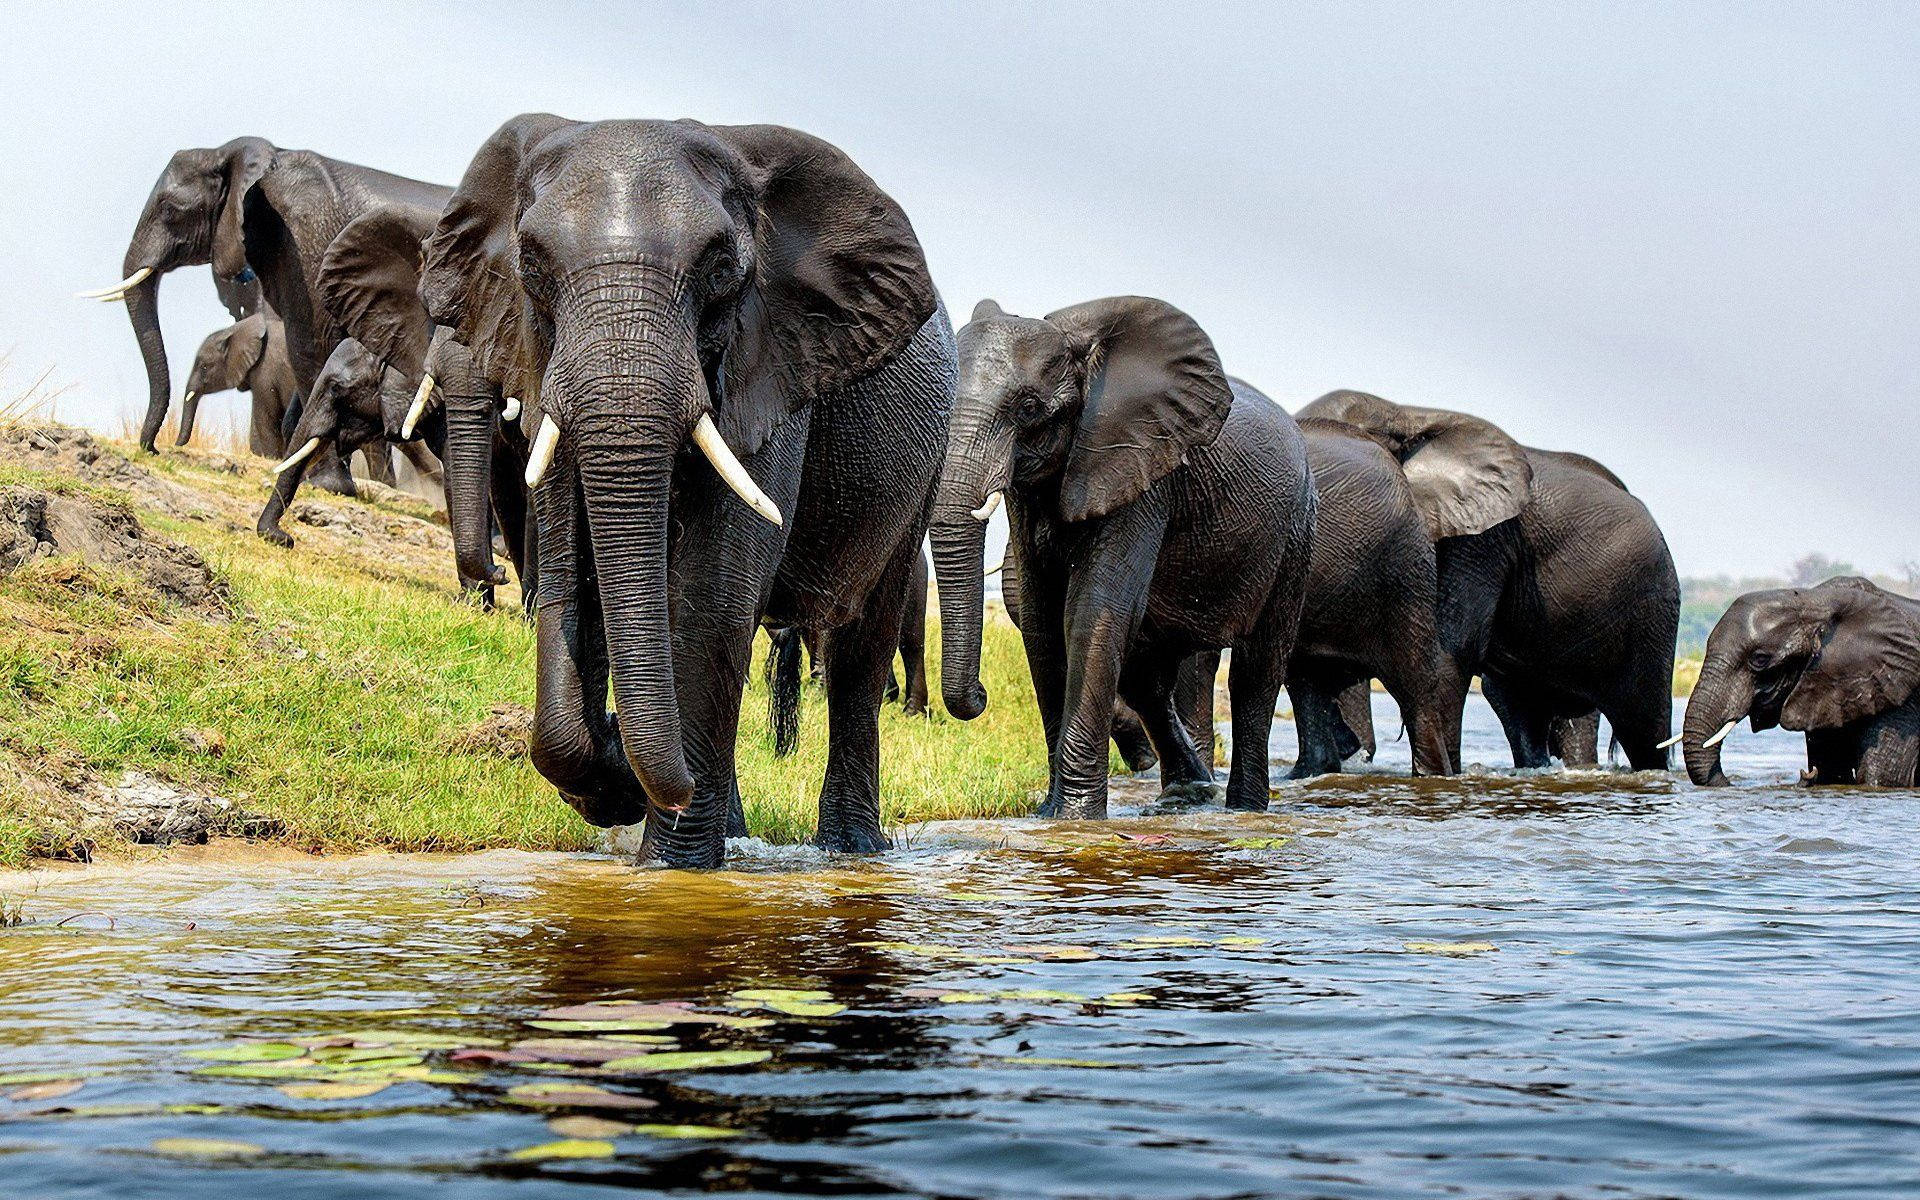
986,510
512,411
998,567
1717,738
188,398
119,290
1671,742
706,435
419,407
544,444
298,456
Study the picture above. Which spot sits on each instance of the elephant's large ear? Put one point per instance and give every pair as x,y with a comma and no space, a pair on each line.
840,286
471,277
370,283
1868,661
246,161
1467,474
1154,391
246,342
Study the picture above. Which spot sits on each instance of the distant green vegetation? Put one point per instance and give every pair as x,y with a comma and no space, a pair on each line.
1704,598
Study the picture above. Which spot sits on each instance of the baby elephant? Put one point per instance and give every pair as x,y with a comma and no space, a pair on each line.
250,355
1157,509
1840,661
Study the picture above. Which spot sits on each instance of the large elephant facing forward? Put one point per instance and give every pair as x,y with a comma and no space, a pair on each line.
1157,509
1840,661
1555,584
743,378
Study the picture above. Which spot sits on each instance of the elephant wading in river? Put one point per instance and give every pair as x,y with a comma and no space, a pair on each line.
249,355
1840,661
743,379
1554,583
254,211
1156,508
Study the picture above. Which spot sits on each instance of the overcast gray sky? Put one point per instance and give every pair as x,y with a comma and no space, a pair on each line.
1684,239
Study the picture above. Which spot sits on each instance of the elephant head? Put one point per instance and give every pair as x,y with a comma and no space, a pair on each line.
1467,475
1804,659
194,215
1087,407
225,360
645,285
353,386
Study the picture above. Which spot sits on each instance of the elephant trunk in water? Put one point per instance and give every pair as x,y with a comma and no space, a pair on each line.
143,309
1723,695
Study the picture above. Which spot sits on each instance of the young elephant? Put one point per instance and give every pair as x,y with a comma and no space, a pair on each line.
1157,509
249,355
1840,661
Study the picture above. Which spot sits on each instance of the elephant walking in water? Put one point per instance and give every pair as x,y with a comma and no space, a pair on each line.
1555,585
743,378
1840,661
1157,509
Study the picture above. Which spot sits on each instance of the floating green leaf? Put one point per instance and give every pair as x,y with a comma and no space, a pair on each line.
565,1148
250,1052
685,1131
194,1110
188,1147
1166,940
597,1026
292,1068
1454,948
589,1127
42,1077
690,1060
53,1089
1238,940
1257,843
103,1110
573,1095
335,1091
1129,998
1036,1060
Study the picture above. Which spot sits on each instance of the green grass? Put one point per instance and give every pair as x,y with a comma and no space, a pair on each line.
340,685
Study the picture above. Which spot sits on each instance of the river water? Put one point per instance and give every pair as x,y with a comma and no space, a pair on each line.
1554,984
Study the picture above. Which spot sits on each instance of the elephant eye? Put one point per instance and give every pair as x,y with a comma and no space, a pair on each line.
722,273
1761,660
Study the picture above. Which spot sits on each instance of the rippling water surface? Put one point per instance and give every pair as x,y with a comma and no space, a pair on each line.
1555,984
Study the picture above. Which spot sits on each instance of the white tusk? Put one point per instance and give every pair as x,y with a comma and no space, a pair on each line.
986,510
419,407
1671,742
119,290
706,435
544,444
298,456
512,410
188,398
998,567
1717,738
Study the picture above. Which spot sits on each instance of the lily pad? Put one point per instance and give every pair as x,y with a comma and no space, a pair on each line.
101,1110
335,1091
690,1060
573,1095
53,1089
610,1026
1166,940
19,1077
1129,998
1057,953
685,1131
578,1050
292,1068
250,1052
797,995
1453,948
194,1110
188,1147
596,1128
565,1148
1036,1060
1257,843
1238,940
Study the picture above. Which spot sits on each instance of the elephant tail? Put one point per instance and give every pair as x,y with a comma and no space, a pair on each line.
783,690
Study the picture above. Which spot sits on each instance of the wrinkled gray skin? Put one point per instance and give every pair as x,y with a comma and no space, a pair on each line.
1554,583
1157,509
249,355
1129,735
630,277
356,401
249,206
1840,661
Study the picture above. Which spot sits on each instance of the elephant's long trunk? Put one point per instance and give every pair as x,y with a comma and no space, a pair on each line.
143,309
959,551
1724,693
469,481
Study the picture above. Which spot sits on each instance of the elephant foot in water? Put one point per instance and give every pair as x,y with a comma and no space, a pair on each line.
1189,793
851,837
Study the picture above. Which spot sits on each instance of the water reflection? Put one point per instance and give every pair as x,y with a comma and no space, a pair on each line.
1517,984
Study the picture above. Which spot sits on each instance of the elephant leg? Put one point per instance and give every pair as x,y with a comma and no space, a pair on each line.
859,658
1254,677
1043,634
1890,748
1355,703
508,494
379,456
1106,601
1575,741
1315,717
284,486
1131,740
1642,715
736,813
429,468
1523,714
1193,701
1148,684
1419,710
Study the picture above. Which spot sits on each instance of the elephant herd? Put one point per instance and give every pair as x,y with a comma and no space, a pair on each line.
700,381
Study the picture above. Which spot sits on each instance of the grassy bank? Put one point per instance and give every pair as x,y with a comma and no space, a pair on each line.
344,700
